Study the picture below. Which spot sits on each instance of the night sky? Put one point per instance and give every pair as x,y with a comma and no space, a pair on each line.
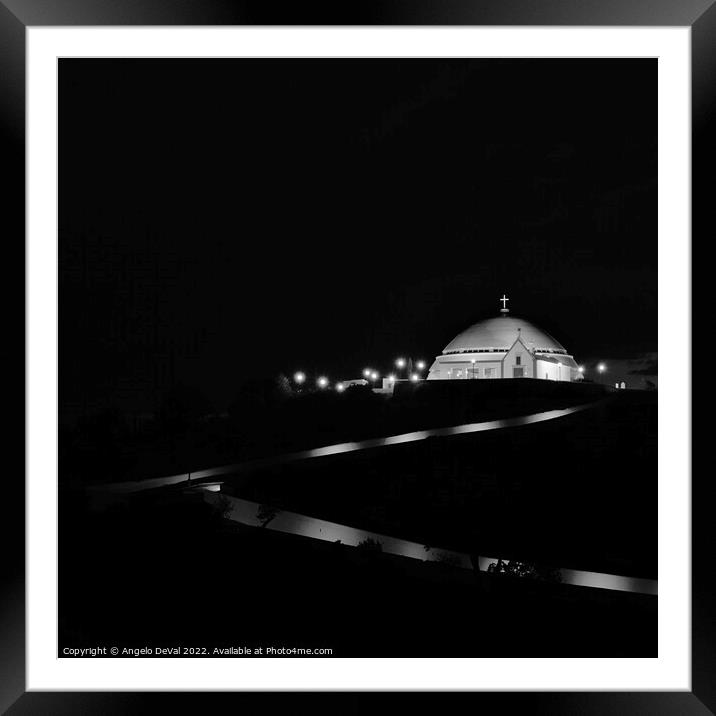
227,219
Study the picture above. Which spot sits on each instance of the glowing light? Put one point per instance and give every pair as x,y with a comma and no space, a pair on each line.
340,387
391,378
601,367
374,375
581,369
415,377
322,382
400,362
420,365
367,372
299,377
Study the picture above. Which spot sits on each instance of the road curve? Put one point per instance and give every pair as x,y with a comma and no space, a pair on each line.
200,476
246,512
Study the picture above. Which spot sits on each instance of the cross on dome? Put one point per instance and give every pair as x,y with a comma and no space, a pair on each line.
504,300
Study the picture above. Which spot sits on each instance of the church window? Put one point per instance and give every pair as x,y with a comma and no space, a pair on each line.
518,360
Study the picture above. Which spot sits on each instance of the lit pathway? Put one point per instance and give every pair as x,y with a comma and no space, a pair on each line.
338,449
245,512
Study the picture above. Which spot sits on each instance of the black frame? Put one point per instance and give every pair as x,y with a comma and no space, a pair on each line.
16,15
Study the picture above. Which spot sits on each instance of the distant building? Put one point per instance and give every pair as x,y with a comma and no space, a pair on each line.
350,383
504,347
637,373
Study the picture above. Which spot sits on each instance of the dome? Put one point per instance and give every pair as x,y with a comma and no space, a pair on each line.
498,334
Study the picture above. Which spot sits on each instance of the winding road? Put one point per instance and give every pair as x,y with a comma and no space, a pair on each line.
209,474
245,511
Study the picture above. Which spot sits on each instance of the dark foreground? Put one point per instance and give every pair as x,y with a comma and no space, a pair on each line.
170,572
163,568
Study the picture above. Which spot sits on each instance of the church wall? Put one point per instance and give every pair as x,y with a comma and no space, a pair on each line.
546,370
501,367
518,357
465,369
494,366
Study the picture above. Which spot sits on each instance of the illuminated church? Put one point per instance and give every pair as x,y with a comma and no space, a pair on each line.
504,347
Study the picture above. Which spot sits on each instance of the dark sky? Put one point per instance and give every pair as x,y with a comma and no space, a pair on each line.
221,219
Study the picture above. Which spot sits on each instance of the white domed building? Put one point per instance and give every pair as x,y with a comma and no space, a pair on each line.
504,347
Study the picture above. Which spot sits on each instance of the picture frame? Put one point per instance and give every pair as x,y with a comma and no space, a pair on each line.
18,15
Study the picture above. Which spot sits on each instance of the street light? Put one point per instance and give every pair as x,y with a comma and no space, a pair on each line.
601,367
408,364
367,372
322,382
299,377
374,375
391,378
581,369
415,377
340,387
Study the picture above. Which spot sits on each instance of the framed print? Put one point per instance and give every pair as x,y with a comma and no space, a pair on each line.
342,349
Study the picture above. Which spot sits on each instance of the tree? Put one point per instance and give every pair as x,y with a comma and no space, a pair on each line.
258,394
266,513
525,569
370,545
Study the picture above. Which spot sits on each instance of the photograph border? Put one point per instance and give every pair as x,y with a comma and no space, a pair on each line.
17,15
